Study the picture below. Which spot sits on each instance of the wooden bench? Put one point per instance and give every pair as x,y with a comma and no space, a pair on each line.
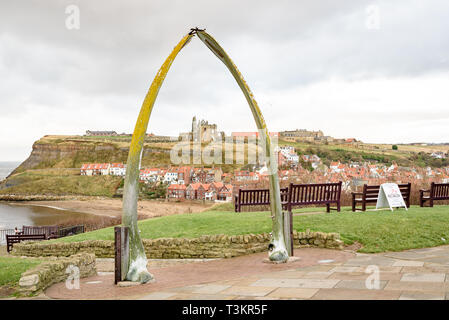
294,195
314,194
51,232
371,193
257,197
16,238
437,191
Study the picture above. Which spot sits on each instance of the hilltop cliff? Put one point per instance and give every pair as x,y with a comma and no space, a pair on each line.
73,151
53,167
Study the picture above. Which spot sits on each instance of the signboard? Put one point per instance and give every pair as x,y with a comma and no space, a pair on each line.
390,196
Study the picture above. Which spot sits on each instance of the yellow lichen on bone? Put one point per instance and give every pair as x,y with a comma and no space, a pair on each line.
130,194
280,252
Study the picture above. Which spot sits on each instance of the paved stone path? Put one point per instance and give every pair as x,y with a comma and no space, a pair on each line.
319,274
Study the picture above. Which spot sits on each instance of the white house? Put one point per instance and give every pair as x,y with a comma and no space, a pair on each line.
171,176
438,155
117,169
336,167
292,157
151,175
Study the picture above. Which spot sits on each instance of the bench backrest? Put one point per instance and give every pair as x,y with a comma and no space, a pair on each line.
47,230
373,191
16,238
299,194
315,193
259,196
439,191
23,237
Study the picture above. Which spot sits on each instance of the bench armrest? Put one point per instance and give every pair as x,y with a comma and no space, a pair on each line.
357,193
422,190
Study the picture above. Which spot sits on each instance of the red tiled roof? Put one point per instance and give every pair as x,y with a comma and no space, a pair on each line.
177,187
195,186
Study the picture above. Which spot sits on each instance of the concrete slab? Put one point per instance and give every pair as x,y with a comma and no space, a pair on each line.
286,274
358,284
374,260
297,293
158,296
322,267
296,283
211,289
387,269
426,250
238,282
363,276
354,294
187,289
436,267
316,275
347,269
409,255
186,296
422,296
251,291
349,275
439,260
415,286
424,277
408,263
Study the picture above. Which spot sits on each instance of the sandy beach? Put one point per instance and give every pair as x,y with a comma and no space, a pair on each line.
113,207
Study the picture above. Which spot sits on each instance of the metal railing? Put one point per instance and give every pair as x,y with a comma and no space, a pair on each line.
70,231
4,232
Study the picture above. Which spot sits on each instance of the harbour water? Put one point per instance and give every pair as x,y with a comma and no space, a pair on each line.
20,214
6,167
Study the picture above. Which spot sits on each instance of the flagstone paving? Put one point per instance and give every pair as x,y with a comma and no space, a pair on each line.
319,274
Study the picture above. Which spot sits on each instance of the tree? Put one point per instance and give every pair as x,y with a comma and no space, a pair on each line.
394,147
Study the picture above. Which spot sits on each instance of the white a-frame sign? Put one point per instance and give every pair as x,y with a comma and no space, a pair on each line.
390,196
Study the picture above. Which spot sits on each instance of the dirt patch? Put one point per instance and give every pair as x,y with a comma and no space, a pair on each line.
6,291
356,246
113,207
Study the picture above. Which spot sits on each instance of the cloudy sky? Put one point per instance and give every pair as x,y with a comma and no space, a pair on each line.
374,70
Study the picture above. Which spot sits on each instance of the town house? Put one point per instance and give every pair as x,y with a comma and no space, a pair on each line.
225,193
192,191
177,191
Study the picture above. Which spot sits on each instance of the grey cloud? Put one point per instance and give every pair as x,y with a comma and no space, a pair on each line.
278,45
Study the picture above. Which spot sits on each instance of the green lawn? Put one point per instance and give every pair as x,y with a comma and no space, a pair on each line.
378,231
47,182
381,231
11,269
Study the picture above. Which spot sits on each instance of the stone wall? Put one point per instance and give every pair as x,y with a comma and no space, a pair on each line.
214,246
55,270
